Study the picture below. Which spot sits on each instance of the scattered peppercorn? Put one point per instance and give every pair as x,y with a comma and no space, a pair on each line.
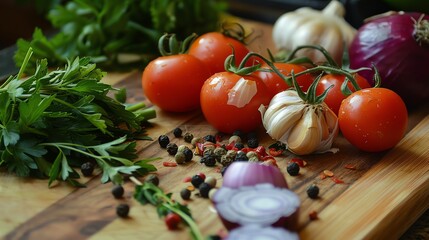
211,181
208,160
293,169
185,194
177,132
253,143
241,156
197,180
180,158
188,154
122,210
163,141
204,189
172,148
210,138
234,139
239,145
238,133
87,168
313,191
152,178
117,191
188,137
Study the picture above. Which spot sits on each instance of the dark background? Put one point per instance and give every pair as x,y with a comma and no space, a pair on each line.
18,18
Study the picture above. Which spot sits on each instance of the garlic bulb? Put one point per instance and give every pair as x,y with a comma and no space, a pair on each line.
304,128
307,26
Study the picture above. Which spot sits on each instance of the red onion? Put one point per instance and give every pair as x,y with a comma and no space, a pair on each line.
399,49
250,173
262,204
253,232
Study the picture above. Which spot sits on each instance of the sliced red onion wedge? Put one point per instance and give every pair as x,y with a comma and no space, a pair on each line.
253,232
261,205
250,173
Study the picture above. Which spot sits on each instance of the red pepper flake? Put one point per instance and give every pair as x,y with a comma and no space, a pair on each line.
199,149
322,176
350,166
270,162
187,179
169,164
313,215
299,161
260,150
328,173
337,180
275,152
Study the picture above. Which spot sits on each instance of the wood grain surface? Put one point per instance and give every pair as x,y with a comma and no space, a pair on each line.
379,199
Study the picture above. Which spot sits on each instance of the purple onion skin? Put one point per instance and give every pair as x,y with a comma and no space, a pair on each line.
250,173
389,43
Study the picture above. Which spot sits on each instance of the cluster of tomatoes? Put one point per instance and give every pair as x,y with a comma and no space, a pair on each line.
372,119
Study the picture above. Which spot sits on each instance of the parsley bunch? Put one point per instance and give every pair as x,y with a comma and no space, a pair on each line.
108,29
56,120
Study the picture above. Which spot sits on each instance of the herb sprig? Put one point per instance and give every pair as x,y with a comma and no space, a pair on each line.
148,193
54,121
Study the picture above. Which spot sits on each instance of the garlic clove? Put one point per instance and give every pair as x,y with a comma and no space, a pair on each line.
332,124
282,123
305,136
242,92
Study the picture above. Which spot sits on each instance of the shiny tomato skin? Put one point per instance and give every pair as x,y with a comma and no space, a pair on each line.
214,47
173,83
373,119
276,84
228,118
335,96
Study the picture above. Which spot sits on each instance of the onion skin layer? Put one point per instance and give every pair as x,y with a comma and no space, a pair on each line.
389,43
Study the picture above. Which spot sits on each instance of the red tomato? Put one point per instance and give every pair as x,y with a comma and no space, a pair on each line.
226,117
335,96
214,47
172,220
276,84
373,119
173,83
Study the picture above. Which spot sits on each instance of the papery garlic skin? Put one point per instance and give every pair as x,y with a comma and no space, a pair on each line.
304,128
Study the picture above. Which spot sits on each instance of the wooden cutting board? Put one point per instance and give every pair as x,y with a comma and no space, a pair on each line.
380,198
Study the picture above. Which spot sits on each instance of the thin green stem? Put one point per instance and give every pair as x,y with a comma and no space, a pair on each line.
191,223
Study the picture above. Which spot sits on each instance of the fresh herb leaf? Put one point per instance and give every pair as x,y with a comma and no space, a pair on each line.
56,120
148,193
105,30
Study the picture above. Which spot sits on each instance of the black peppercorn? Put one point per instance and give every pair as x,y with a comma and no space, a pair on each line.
238,133
122,210
163,141
172,148
152,178
188,137
209,160
177,132
239,145
252,143
313,191
196,180
241,156
188,154
204,189
185,194
210,138
117,191
293,169
87,169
